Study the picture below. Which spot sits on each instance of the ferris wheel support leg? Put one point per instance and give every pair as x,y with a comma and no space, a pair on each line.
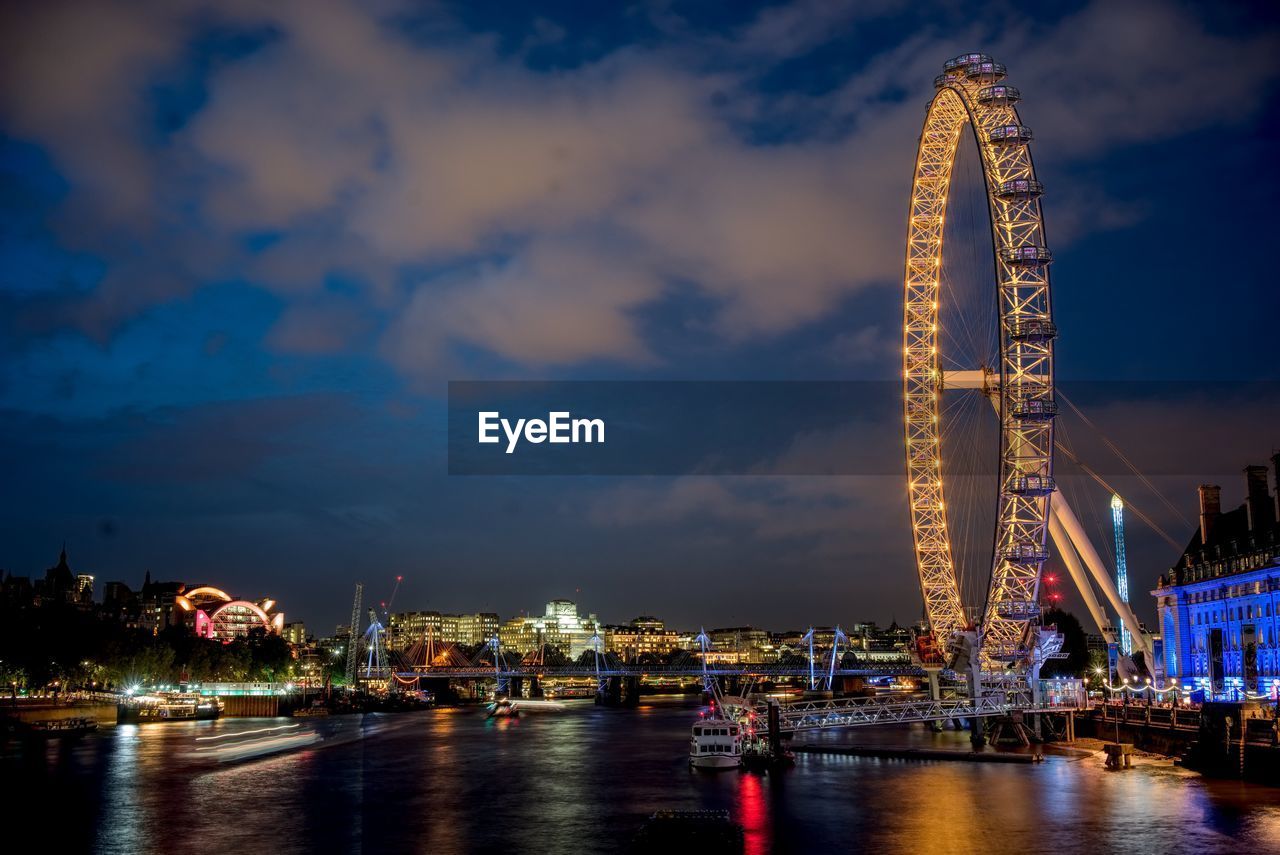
1067,552
1067,518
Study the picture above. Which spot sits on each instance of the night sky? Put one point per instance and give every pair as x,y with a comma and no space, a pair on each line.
244,247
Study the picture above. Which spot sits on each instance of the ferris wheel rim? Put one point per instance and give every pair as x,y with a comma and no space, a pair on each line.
971,92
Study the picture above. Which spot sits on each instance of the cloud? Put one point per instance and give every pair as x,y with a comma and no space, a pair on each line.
316,329
813,511
73,75
1115,74
480,205
552,304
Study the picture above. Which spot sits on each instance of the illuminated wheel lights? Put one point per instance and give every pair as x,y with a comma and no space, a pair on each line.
1024,375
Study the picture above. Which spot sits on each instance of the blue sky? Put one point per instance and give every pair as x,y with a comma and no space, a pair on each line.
244,248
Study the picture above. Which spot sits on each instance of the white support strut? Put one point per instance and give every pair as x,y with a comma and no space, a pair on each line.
1067,552
1061,511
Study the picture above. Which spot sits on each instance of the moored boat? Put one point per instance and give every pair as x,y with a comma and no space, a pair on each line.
175,706
716,743
58,727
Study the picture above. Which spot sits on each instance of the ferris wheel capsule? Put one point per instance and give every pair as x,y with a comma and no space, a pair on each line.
1006,134
1027,255
965,59
999,95
1019,189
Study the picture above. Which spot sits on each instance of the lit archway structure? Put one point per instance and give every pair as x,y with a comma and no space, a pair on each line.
237,618
971,93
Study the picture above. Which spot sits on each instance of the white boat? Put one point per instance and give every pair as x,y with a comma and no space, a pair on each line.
716,743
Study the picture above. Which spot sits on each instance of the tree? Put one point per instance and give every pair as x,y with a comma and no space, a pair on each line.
1074,644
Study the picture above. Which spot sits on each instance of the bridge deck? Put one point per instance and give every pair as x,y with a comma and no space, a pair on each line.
863,712
656,671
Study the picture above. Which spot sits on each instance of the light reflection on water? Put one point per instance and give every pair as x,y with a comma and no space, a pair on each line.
451,781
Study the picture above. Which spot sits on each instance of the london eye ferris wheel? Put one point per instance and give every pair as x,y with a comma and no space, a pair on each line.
1016,376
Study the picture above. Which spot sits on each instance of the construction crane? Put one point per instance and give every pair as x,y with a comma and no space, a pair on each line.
353,639
1122,571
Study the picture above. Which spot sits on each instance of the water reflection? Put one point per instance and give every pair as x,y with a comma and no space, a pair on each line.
584,780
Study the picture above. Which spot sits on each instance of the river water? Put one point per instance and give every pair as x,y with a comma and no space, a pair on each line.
584,780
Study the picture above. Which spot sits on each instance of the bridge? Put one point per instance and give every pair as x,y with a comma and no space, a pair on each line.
759,671
808,715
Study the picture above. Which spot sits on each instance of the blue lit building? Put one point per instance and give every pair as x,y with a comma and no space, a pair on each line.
1219,606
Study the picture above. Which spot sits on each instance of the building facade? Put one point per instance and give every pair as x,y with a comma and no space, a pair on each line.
407,629
643,636
213,613
560,626
1219,606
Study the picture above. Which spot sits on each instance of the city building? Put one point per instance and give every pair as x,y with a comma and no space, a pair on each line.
59,584
295,633
405,629
642,636
213,613
1219,606
16,591
745,643
157,605
84,589
119,602
560,626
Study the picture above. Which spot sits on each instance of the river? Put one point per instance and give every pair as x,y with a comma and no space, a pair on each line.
584,780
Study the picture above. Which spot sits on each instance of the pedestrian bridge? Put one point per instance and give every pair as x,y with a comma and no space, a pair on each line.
760,671
863,712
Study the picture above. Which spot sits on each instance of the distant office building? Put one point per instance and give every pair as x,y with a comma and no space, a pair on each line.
17,591
84,589
560,626
750,644
157,606
1218,606
469,629
406,629
119,602
295,633
642,636
1093,641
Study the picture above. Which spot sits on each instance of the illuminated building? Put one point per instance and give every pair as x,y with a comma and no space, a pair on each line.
560,627
215,614
295,633
465,630
750,644
405,629
644,635
1219,606
157,605
84,589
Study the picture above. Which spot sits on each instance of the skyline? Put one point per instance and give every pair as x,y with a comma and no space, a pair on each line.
243,251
